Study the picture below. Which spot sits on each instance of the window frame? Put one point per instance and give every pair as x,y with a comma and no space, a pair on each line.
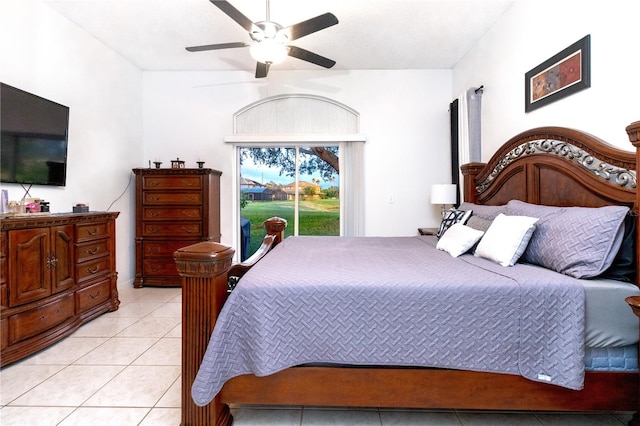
351,183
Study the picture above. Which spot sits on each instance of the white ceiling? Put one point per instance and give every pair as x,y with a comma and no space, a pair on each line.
372,34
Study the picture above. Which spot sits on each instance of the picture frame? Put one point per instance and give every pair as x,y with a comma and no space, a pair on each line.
563,74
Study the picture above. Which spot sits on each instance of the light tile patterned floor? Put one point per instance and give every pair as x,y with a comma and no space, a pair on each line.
123,368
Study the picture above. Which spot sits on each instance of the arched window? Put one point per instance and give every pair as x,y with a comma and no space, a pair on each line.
300,122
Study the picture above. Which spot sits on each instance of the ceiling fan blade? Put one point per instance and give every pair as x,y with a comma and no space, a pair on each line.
310,26
216,46
314,58
236,15
261,70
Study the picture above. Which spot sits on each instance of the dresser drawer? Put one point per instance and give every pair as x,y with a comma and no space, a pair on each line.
159,268
91,231
164,248
93,295
92,250
172,182
172,198
30,323
88,270
175,213
175,229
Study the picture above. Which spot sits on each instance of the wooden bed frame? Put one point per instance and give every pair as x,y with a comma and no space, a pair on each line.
552,166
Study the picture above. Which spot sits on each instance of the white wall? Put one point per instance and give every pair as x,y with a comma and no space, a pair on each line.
47,55
403,114
531,32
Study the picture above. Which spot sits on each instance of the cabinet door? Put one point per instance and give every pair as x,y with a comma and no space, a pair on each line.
63,257
29,265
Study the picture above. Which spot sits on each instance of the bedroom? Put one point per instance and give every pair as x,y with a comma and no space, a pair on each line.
121,125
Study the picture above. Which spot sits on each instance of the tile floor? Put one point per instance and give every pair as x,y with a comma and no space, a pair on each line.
123,368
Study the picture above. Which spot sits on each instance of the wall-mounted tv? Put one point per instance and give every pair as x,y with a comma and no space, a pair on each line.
33,149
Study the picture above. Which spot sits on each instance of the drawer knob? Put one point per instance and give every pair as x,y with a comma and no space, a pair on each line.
93,270
95,296
52,261
153,229
93,250
92,232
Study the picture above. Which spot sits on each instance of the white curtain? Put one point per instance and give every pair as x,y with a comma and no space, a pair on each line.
352,189
469,129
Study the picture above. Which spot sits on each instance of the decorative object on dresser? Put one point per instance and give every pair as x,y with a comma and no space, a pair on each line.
175,207
58,271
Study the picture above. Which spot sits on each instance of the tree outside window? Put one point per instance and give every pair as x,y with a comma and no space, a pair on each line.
299,184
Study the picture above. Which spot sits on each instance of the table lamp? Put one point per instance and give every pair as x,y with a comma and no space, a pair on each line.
443,194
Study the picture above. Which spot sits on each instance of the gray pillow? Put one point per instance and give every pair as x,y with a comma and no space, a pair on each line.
478,223
578,241
485,212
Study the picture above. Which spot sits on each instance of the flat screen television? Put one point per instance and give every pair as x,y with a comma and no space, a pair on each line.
34,131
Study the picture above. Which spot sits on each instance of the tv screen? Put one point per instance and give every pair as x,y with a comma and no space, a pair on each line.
33,149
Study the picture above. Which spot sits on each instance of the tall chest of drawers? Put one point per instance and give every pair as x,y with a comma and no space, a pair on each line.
174,208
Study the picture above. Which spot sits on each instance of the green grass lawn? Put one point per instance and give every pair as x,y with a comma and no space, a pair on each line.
317,217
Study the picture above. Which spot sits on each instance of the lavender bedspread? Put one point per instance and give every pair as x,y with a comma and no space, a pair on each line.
395,301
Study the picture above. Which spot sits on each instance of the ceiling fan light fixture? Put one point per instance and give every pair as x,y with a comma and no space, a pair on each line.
268,51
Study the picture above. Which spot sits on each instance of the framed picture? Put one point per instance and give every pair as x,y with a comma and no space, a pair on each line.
561,75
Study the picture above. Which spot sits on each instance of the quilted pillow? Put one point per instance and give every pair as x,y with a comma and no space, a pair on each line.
578,241
476,222
485,212
458,239
506,239
450,217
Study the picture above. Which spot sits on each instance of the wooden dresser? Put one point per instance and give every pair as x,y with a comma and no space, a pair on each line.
58,271
174,208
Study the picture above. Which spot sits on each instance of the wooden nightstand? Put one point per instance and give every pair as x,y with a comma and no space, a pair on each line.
427,231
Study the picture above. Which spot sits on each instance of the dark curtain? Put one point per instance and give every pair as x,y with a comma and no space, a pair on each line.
455,162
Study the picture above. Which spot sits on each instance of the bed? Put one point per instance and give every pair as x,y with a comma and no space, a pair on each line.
542,168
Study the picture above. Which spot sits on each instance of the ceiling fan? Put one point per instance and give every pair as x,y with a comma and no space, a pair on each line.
270,39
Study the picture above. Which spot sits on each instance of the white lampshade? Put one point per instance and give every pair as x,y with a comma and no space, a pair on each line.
444,193
268,51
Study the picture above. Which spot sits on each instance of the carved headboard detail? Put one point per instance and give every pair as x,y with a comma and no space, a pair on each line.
555,166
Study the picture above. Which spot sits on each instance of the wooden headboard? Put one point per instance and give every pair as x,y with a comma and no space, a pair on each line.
554,166
557,166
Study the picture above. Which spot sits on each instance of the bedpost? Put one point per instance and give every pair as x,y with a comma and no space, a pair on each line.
633,130
275,234
203,268
276,226
469,173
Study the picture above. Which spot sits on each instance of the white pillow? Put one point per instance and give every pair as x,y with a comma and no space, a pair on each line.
458,239
506,239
